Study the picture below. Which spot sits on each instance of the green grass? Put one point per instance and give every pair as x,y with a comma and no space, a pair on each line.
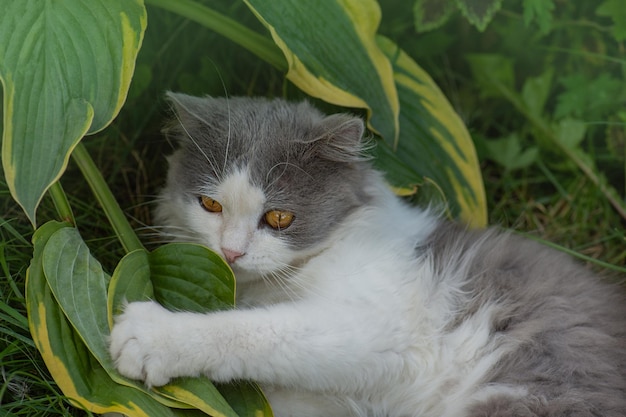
549,199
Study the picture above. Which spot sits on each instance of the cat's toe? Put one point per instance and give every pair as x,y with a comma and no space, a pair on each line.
129,360
135,345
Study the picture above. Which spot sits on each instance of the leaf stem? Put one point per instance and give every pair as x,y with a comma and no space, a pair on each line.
227,27
101,190
61,203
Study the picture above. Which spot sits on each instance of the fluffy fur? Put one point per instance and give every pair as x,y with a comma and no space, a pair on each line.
364,306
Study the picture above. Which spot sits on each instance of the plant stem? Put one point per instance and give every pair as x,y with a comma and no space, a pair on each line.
61,203
101,190
227,27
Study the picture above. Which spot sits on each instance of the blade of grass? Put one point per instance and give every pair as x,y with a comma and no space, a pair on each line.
101,190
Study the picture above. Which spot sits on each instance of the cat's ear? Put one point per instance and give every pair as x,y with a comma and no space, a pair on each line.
189,112
340,138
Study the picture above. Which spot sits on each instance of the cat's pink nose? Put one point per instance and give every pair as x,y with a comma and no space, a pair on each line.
231,255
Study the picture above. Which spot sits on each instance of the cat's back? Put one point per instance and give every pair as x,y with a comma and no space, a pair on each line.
559,330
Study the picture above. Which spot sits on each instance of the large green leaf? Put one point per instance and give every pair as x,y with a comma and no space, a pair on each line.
65,67
192,278
434,142
79,286
79,375
332,54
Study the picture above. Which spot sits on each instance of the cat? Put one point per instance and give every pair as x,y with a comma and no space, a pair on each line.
351,302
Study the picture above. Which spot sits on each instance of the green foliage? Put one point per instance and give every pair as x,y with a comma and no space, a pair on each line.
541,88
430,14
60,85
539,11
615,10
71,300
546,108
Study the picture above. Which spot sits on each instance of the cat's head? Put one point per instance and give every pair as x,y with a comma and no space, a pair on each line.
264,183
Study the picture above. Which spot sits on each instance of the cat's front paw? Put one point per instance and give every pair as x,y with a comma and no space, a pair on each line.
141,343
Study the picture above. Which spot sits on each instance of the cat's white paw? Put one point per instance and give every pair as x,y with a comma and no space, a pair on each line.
141,343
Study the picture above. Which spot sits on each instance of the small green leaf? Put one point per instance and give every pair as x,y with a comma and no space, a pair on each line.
479,12
508,152
570,132
430,14
541,11
617,12
492,72
65,68
536,90
591,99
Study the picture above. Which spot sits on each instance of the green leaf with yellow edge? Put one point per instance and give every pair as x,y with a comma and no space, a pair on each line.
77,373
65,68
186,277
332,54
434,141
191,277
130,282
80,287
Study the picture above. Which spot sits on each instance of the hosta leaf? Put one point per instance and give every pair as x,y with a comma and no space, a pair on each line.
81,378
130,282
191,277
65,67
79,285
434,141
332,54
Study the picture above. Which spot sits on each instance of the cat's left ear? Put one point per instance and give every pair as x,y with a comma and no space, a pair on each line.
340,138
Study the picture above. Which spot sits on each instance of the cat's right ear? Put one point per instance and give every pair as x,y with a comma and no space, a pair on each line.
188,110
190,115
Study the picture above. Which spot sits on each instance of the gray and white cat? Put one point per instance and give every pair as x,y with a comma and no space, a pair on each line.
353,303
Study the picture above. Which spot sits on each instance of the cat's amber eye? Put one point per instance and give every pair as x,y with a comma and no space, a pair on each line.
211,205
278,219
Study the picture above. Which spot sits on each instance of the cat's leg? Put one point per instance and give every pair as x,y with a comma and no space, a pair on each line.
291,345
287,403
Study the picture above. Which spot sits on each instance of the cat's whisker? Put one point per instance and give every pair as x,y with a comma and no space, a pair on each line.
292,282
228,135
195,142
285,165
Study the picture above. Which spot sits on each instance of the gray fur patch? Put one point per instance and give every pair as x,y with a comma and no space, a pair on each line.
568,326
305,162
